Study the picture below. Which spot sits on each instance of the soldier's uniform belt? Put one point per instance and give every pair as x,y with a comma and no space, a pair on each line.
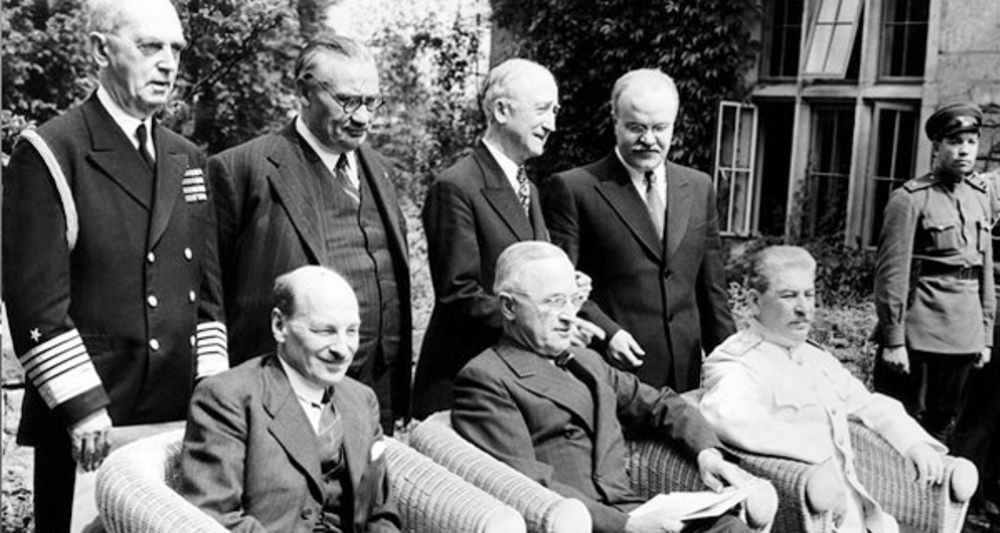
928,268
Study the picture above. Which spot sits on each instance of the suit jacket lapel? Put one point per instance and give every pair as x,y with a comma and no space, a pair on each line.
501,196
170,167
605,414
355,451
678,207
384,199
541,378
296,169
537,218
289,425
112,153
615,186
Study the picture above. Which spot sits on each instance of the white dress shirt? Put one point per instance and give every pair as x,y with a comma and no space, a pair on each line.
126,122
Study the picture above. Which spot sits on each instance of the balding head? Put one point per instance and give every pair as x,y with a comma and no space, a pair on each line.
316,323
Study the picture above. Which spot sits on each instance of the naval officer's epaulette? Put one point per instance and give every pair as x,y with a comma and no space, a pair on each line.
922,182
741,343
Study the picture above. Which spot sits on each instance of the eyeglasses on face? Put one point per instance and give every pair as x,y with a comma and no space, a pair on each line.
350,103
555,301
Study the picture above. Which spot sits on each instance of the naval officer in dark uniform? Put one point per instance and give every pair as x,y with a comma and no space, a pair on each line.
934,289
110,271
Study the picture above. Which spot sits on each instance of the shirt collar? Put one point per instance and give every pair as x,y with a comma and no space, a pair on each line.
507,165
125,121
789,345
302,387
326,155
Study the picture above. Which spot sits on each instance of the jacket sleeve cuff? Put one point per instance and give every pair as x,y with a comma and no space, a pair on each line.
64,376
893,336
211,349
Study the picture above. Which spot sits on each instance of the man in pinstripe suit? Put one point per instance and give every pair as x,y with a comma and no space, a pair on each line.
317,193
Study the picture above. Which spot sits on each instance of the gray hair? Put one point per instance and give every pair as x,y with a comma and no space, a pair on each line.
500,80
339,45
515,261
105,16
774,260
283,293
650,76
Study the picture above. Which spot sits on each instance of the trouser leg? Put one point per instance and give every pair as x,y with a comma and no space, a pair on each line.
942,391
55,477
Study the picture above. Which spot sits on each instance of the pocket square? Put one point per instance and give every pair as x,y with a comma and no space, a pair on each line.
378,448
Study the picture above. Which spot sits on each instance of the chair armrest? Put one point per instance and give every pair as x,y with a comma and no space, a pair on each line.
432,499
807,493
133,496
891,479
543,510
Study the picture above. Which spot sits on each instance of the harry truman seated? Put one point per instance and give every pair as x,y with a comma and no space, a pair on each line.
556,413
286,442
769,390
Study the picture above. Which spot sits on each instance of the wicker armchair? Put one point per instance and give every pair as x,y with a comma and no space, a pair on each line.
653,466
808,493
135,493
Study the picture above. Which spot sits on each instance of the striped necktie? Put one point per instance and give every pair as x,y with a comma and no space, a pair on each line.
344,179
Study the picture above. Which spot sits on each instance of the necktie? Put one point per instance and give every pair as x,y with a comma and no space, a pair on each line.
330,435
340,171
140,134
654,204
523,191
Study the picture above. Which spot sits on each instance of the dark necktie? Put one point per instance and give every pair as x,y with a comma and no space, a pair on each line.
344,179
523,191
140,134
330,435
654,204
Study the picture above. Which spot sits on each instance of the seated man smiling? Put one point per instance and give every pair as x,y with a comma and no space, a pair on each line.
768,390
286,441
557,413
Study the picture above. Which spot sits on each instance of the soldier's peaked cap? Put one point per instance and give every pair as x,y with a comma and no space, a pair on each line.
953,119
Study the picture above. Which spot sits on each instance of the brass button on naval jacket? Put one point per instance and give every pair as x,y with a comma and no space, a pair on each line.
152,301
188,254
154,344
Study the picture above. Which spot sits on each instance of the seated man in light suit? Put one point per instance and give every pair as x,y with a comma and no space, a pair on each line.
769,390
285,441
557,413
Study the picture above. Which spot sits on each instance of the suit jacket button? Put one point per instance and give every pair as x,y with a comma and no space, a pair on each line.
151,257
152,301
188,254
191,296
154,344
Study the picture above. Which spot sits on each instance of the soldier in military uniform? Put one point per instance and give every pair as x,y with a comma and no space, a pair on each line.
110,270
977,436
769,390
934,289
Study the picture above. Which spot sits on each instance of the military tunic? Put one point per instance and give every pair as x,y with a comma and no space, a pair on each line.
771,396
934,289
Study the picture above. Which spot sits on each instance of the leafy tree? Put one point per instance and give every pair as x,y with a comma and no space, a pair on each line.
588,44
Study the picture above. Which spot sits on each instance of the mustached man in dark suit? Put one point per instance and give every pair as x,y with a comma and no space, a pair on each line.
557,413
474,210
646,231
110,269
287,442
315,193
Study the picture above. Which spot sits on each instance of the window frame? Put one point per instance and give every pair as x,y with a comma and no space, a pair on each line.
818,21
870,240
726,218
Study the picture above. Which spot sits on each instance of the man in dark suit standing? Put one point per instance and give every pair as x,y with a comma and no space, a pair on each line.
557,413
473,211
287,442
646,230
110,268
317,193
